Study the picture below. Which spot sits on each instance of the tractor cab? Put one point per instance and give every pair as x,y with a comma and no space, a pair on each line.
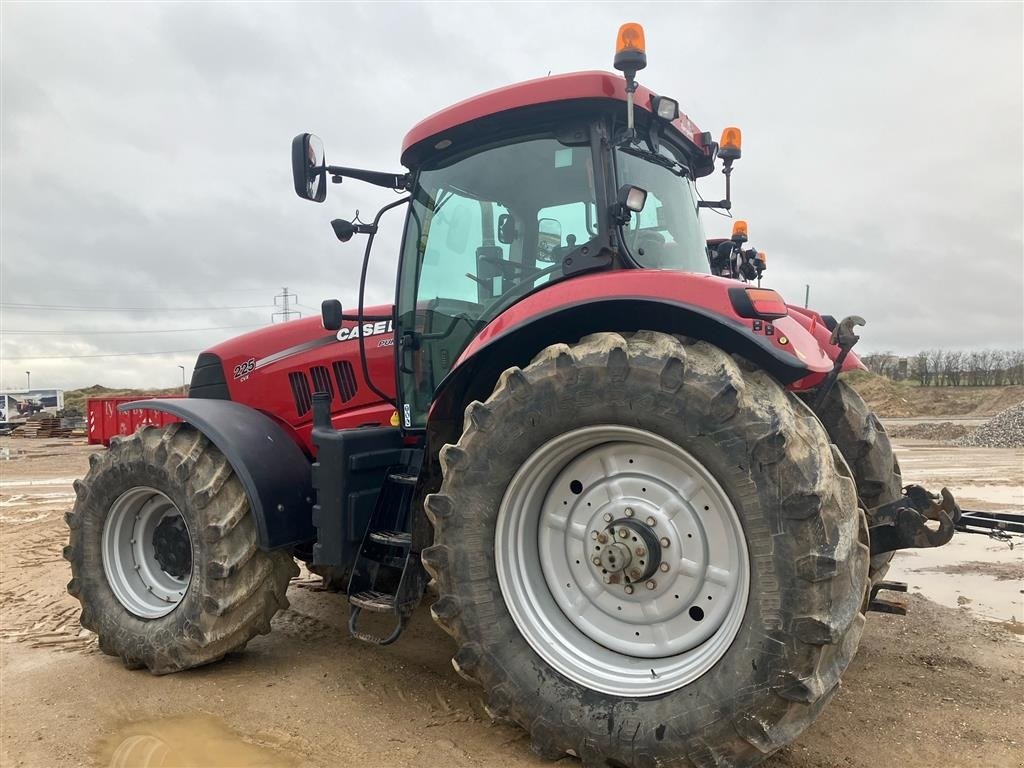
519,189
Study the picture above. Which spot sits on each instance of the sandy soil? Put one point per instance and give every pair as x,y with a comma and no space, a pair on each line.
936,687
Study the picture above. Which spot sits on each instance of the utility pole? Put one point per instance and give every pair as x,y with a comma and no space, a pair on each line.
182,378
807,296
28,379
284,301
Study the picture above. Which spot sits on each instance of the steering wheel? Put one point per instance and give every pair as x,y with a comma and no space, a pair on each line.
520,288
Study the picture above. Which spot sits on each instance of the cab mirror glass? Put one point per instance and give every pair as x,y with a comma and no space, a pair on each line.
549,237
309,168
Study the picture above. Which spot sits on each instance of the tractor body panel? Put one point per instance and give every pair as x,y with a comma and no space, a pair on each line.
277,369
576,86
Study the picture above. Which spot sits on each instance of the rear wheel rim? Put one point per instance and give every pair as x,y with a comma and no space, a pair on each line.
622,560
131,561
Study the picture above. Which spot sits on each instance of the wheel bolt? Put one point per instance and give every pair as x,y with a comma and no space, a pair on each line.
664,541
640,552
593,534
596,560
650,521
664,567
635,574
607,517
624,533
629,511
629,590
602,539
651,584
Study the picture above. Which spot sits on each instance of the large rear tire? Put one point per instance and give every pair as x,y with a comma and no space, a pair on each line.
766,547
863,442
164,555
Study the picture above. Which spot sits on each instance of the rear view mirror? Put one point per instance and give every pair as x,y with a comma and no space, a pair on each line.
549,237
309,170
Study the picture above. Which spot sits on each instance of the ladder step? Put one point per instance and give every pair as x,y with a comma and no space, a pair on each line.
371,600
392,538
403,478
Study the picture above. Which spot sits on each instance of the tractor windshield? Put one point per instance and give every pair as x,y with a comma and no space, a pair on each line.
483,231
667,233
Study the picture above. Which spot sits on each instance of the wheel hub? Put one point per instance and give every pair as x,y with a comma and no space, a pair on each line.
172,547
628,552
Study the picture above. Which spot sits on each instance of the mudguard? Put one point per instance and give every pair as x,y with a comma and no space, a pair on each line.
274,471
694,305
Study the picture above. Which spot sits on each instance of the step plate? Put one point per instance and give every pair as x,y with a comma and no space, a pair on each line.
377,602
391,538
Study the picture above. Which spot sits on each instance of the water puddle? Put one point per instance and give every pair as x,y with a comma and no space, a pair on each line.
973,572
187,741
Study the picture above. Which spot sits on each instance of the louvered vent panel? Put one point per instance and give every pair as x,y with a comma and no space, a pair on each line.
300,391
322,380
346,379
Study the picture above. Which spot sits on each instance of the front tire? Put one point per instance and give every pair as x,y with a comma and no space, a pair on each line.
763,674
164,555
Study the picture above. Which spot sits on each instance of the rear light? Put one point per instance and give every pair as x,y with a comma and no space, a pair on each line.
760,303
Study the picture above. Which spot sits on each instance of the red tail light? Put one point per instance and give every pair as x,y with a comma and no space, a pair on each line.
762,303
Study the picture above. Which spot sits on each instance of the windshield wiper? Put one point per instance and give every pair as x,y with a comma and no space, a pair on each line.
665,162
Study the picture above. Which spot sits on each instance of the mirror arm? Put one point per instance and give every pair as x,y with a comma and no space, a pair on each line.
398,181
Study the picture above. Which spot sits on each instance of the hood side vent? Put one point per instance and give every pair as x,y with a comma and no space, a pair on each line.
300,391
346,378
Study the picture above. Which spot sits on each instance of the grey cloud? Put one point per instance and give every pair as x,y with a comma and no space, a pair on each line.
145,148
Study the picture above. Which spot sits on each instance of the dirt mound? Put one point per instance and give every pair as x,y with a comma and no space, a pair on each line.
902,399
942,430
1005,430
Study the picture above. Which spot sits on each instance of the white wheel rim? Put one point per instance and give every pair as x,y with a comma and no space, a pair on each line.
130,563
680,577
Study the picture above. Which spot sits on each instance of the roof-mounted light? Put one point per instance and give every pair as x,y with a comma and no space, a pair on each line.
665,108
630,48
730,144
739,231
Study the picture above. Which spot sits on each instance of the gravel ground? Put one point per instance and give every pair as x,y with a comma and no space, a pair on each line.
940,430
1004,430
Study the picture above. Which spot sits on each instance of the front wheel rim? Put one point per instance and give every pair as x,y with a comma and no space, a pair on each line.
140,521
622,560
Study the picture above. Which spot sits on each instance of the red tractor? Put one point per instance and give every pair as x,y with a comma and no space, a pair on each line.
654,515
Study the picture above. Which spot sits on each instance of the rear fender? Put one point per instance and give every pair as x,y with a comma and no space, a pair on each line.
274,471
694,305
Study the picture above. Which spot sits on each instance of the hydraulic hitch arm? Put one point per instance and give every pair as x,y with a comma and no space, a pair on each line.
903,524
844,337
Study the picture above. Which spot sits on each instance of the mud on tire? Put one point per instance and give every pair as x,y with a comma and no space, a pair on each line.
798,508
863,442
234,587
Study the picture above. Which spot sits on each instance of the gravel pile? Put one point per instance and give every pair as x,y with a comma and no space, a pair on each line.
1004,430
942,430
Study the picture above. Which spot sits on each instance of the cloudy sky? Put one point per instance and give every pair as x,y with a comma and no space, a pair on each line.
146,168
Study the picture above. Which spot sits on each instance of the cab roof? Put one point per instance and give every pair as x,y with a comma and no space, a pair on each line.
544,90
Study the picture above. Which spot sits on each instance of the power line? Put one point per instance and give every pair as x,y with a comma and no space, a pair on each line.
94,332
110,354
75,308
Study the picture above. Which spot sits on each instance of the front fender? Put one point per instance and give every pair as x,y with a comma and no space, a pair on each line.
274,471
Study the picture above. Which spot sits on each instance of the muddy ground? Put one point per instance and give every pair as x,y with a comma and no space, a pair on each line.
938,687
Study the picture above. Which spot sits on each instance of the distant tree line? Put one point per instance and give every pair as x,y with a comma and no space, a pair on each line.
951,368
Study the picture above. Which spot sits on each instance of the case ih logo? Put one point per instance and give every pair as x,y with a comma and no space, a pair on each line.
368,329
